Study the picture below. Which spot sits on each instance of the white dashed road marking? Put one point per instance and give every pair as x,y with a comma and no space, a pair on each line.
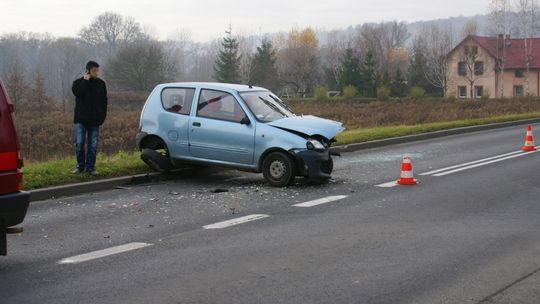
388,184
236,221
320,201
103,253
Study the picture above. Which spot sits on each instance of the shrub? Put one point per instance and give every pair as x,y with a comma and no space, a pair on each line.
417,93
383,93
321,93
350,91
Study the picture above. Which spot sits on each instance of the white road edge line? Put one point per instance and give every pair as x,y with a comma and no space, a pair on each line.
483,164
470,163
103,253
236,221
320,201
388,184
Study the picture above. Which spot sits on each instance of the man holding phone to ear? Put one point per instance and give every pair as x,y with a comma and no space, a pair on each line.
90,113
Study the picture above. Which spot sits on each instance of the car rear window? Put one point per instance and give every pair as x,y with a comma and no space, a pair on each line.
177,100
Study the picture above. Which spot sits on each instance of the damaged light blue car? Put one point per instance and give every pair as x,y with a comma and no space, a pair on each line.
244,127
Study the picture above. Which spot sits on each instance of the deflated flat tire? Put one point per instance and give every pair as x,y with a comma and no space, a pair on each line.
156,160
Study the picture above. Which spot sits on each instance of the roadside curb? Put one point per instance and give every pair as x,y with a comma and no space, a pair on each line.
111,183
430,135
93,186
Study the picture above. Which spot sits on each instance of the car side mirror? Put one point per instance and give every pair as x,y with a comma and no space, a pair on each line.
245,121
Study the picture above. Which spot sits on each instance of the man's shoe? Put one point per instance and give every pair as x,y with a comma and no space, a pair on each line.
93,173
77,171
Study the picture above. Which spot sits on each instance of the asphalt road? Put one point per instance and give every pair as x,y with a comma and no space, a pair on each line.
466,234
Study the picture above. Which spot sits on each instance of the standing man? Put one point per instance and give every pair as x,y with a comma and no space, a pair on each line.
90,112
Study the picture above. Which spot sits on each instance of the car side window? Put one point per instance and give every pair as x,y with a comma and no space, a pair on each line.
219,105
177,100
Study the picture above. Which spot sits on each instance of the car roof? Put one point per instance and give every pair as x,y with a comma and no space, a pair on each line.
215,86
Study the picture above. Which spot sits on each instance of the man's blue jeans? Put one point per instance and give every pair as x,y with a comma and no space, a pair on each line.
86,159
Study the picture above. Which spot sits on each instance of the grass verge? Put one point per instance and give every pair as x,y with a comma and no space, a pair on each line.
58,172
367,134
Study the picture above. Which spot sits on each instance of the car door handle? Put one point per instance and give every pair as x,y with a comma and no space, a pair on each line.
196,124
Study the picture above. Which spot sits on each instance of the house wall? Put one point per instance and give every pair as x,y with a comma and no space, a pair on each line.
487,80
510,80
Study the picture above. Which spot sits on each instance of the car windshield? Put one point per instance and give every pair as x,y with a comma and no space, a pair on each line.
266,106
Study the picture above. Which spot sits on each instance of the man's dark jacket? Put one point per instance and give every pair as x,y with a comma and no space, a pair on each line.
90,101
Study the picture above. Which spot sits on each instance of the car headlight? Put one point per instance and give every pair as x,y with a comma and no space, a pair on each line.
313,144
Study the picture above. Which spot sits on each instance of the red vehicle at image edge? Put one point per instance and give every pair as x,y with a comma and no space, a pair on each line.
13,201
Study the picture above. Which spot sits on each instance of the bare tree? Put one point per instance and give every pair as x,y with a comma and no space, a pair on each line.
473,69
384,41
528,12
179,48
299,60
139,67
470,28
246,47
16,82
111,31
70,57
38,96
330,53
500,15
439,42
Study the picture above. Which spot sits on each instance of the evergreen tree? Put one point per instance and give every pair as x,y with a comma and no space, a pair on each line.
369,76
349,67
264,72
399,85
227,63
386,81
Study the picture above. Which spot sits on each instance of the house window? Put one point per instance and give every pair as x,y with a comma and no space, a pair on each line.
478,91
462,69
519,73
479,68
462,92
518,91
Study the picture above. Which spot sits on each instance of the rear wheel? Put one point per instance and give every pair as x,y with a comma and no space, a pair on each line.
279,169
157,160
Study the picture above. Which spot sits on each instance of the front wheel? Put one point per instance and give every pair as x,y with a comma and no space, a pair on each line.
279,169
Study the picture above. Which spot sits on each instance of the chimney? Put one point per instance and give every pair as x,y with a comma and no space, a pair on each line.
500,42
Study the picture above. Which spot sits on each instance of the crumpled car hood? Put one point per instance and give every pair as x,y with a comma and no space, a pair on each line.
310,125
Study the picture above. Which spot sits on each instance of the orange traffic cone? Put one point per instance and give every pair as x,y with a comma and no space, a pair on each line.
529,140
407,177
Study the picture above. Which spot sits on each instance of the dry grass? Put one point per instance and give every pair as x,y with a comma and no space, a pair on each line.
392,113
46,136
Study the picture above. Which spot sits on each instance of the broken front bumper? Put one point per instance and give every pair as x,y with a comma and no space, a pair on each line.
314,164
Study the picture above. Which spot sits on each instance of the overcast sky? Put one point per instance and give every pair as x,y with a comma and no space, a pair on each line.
207,19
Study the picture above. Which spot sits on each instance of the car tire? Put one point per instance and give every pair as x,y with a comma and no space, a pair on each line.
279,169
156,160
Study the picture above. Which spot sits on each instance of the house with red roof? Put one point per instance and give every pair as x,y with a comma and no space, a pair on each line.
494,67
